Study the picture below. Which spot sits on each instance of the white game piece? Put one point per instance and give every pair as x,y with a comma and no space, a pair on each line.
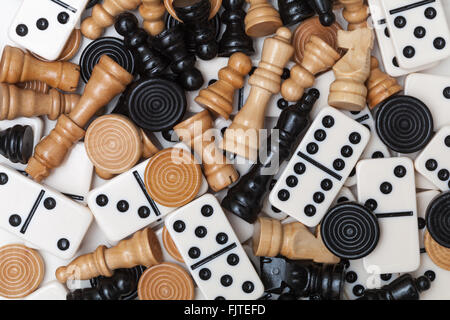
44,26
423,183
436,95
319,166
268,209
434,161
40,215
418,30
212,251
386,186
345,194
51,291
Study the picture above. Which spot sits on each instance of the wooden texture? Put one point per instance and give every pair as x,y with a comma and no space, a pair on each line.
21,271
318,57
152,11
292,240
108,80
440,255
242,135
103,16
70,49
166,281
142,248
172,177
18,66
170,246
355,13
218,97
215,6
348,91
35,85
16,102
197,133
261,19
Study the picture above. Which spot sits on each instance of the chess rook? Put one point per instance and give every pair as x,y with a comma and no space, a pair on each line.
16,143
294,11
152,11
261,19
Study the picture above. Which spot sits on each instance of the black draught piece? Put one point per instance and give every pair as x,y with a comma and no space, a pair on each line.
404,123
438,219
324,8
150,62
113,47
245,199
305,277
404,287
194,14
171,43
16,143
294,11
234,38
350,230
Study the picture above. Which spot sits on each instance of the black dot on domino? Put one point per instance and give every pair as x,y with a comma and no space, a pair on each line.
248,287
354,138
371,204
339,164
233,259
386,276
226,280
320,135
205,274
291,181
431,164
358,290
15,220
419,32
377,154
219,298
351,277
386,32
399,171
201,232
386,188
42,24
123,206
328,121
101,200
446,141
395,62
3,178
207,210
299,168
144,212
400,22
318,197
312,148
346,151
194,252
283,195
22,30
353,172
63,17
446,92
63,244
443,174
49,203
179,226
431,275
310,210
430,13
409,52
222,238
421,223
326,184
342,199
439,43
282,104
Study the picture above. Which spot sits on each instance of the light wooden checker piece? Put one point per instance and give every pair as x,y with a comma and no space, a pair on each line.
440,255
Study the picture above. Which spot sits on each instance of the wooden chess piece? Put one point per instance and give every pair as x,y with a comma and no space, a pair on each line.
71,48
155,281
241,137
439,254
16,102
218,97
114,145
170,246
21,271
355,13
215,7
35,85
141,249
103,16
108,79
152,11
196,133
294,11
291,240
234,39
318,57
16,143
17,66
348,91
324,8
261,19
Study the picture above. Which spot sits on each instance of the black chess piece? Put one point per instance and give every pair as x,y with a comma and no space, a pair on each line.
16,143
150,62
404,287
121,286
294,11
92,3
171,43
245,198
234,38
305,278
194,14
324,8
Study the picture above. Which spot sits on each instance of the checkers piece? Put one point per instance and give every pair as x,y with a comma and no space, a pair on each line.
438,254
438,219
170,246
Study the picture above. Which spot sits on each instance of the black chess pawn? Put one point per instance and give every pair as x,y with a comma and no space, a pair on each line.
245,198
294,11
234,38
150,62
121,286
305,278
404,287
194,14
171,43
16,143
324,8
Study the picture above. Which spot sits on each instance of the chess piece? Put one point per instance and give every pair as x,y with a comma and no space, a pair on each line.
294,11
215,7
17,66
121,286
21,271
16,102
172,177
196,133
71,48
241,137
92,3
155,281
356,13
170,246
172,44
261,19
218,97
439,254
114,145
318,57
348,91
150,62
35,85
292,240
152,11
380,85
234,38
141,249
305,278
324,8
108,79
404,287
245,199
103,16
194,14
16,143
